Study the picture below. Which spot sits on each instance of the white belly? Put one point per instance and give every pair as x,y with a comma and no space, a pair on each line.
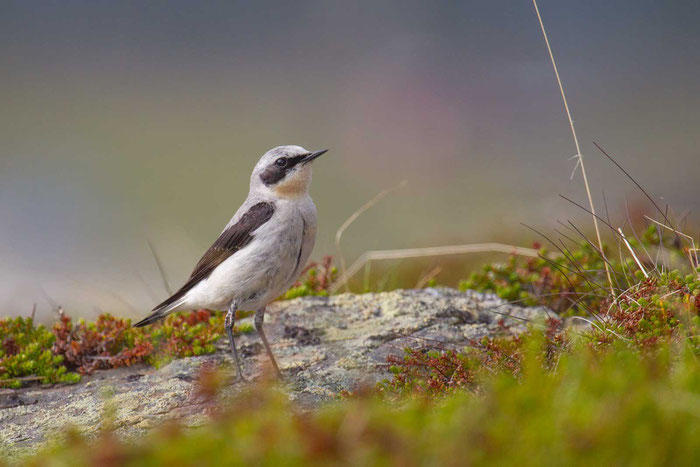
265,268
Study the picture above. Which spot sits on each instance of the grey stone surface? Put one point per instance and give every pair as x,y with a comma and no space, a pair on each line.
323,345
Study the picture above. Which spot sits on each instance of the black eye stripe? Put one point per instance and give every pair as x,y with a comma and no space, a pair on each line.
292,161
274,173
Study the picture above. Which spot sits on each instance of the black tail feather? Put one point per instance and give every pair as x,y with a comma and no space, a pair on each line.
150,319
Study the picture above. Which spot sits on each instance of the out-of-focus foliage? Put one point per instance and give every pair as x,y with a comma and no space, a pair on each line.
625,389
590,407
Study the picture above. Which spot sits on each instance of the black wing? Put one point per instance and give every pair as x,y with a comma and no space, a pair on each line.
230,241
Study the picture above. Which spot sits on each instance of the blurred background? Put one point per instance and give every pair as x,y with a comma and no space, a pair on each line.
128,122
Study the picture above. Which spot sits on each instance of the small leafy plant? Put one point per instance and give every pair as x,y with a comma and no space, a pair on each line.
25,353
316,280
71,349
649,308
68,350
434,373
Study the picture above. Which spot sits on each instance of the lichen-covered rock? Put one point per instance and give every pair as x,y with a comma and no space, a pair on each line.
323,345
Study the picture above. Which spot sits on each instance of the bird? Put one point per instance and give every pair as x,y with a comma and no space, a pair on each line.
261,251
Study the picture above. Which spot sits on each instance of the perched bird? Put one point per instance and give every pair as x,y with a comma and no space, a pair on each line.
262,250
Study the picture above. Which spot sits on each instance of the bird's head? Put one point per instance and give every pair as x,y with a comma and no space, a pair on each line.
285,171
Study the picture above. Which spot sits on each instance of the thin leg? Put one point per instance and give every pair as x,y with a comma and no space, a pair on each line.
259,318
228,324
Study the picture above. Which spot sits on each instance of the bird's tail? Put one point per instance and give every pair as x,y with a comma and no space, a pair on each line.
159,312
150,319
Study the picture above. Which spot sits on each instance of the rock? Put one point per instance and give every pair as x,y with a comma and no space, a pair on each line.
323,344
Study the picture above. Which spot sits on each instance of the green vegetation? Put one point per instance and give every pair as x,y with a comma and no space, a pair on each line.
622,389
25,352
68,350
586,407
316,280
572,279
30,354
654,317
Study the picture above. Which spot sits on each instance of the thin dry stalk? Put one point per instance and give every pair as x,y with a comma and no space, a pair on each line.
663,213
695,253
578,156
161,269
21,378
634,232
629,247
692,251
369,256
354,216
423,281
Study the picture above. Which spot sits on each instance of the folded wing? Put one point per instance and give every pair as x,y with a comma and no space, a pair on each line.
231,240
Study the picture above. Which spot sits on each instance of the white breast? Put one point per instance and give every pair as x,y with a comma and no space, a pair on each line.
265,268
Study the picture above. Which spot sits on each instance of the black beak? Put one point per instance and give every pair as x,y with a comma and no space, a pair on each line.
314,155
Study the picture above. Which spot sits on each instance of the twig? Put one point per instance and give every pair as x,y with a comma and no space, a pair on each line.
634,232
629,247
564,254
681,234
52,303
665,214
368,256
354,216
163,275
21,378
604,330
423,281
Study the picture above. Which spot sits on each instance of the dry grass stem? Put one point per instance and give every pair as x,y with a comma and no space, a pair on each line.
369,256
21,378
423,281
629,247
354,216
578,156
692,251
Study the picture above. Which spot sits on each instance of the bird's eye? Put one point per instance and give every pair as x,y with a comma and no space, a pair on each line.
281,162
